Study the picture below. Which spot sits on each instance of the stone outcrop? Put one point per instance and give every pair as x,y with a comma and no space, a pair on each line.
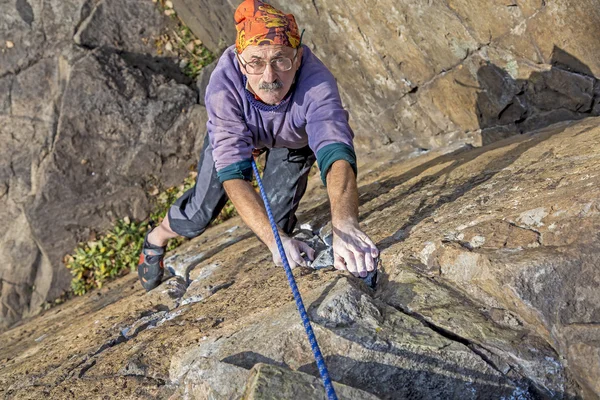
90,115
516,229
420,75
487,289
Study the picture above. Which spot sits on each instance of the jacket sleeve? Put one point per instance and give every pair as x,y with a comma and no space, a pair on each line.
230,137
329,133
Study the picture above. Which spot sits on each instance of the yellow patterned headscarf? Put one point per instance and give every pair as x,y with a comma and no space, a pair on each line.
258,23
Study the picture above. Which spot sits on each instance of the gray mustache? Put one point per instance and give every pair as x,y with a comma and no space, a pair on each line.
269,86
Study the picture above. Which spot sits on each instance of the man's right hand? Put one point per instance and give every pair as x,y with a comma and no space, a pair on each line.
250,207
293,251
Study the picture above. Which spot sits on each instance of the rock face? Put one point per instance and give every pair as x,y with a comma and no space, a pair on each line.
89,115
488,285
516,229
487,289
420,75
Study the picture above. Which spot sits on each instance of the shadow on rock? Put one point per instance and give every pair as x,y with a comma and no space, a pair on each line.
148,65
407,383
506,106
248,359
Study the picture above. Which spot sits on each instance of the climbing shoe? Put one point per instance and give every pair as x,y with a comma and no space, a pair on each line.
151,266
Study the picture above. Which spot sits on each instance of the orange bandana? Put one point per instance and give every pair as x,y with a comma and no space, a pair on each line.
258,24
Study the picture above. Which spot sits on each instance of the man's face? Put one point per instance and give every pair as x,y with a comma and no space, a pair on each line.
272,85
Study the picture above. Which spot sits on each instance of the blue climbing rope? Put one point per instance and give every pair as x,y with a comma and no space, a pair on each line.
288,271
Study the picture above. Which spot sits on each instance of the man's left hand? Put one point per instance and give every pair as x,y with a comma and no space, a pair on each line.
353,250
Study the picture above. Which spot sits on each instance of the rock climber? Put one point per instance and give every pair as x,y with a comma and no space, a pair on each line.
269,92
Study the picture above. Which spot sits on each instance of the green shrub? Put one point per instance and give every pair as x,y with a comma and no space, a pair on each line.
96,262
116,252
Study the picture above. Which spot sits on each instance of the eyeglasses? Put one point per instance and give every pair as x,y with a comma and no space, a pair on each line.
258,67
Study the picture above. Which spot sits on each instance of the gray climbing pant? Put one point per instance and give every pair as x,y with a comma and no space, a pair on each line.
284,178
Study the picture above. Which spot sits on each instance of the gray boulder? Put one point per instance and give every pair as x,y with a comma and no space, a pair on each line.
90,115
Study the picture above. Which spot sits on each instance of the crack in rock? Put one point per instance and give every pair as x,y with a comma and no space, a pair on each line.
26,66
211,290
86,368
183,267
528,228
25,11
112,343
148,322
495,361
86,11
475,348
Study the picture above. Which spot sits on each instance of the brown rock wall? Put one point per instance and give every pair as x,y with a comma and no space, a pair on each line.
571,26
488,19
412,73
